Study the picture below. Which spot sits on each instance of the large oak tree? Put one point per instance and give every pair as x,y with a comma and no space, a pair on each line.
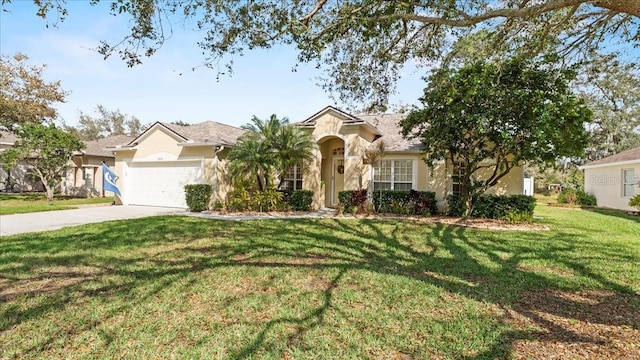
363,44
492,117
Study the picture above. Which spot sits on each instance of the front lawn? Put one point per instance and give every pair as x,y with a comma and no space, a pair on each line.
37,202
183,287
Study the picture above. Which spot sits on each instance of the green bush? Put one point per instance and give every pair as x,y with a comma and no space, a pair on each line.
266,200
576,197
300,200
406,202
198,196
353,198
504,207
455,206
635,202
238,199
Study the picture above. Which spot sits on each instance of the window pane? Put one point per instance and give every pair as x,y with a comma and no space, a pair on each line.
382,173
382,186
402,186
403,171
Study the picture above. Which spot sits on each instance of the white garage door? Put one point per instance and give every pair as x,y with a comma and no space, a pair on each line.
160,183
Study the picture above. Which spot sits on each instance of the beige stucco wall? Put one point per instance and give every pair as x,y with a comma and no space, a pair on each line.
75,185
330,132
606,184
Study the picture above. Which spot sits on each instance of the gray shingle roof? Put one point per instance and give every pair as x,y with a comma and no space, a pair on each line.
388,125
97,147
208,131
629,155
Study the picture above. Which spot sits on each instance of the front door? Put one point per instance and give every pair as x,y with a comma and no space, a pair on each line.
338,179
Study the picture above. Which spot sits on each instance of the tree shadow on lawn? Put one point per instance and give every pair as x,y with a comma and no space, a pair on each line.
480,265
614,212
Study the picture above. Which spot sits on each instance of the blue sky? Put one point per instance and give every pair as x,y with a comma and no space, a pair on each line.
262,83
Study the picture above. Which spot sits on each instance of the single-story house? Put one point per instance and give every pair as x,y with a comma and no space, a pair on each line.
18,177
154,167
84,177
84,174
615,179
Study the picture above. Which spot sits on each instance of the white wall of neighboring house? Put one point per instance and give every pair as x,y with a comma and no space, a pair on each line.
606,182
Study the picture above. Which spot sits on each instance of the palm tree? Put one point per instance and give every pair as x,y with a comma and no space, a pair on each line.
270,147
251,158
293,146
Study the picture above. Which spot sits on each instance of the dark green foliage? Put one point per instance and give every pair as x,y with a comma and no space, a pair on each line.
300,200
198,196
576,197
497,115
505,207
353,198
406,202
456,206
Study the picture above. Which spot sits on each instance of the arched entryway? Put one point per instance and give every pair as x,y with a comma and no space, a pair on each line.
332,174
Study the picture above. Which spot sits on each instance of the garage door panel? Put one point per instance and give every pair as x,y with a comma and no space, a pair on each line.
160,183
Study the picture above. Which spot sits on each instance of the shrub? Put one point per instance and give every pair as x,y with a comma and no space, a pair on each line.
405,202
455,206
300,200
353,198
266,200
198,196
505,207
238,199
576,197
635,202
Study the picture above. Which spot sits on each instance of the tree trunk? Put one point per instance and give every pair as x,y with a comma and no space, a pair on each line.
49,190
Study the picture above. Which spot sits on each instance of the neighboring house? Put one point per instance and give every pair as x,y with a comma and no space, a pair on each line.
84,177
615,179
18,177
154,167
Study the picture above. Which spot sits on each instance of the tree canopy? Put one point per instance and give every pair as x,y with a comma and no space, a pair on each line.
47,149
364,44
492,117
611,89
106,123
26,96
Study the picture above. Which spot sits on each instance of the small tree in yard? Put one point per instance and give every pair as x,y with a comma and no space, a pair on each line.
495,116
46,149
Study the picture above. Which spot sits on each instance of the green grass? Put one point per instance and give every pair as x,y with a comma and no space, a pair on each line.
183,287
37,202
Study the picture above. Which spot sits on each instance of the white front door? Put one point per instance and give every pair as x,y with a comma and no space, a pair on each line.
338,179
160,183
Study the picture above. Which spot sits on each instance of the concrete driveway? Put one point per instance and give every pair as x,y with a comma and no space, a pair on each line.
52,220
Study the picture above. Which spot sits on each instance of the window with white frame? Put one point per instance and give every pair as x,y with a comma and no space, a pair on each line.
628,182
457,176
292,179
393,175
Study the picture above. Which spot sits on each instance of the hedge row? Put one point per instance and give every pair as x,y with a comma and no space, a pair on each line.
198,196
405,202
299,200
508,207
